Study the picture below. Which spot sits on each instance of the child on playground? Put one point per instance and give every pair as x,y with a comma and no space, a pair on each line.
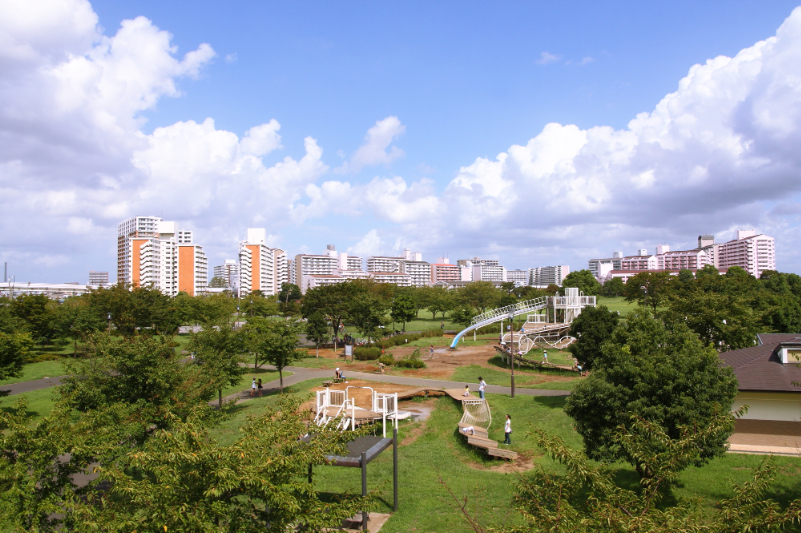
508,431
466,390
258,385
545,356
253,387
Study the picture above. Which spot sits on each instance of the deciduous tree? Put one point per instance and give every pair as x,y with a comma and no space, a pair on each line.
592,328
584,280
649,289
275,341
661,373
317,330
403,309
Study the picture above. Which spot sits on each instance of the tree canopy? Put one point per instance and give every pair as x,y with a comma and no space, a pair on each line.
660,372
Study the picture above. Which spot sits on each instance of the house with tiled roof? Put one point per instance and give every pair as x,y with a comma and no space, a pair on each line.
768,374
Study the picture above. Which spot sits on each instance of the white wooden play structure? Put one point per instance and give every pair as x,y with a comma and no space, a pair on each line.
335,405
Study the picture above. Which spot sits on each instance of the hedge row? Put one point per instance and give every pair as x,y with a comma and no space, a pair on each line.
402,338
363,353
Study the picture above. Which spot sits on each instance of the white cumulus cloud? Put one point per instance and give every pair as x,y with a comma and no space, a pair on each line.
376,149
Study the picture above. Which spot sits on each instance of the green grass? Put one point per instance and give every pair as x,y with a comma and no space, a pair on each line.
40,402
617,304
33,371
523,378
244,383
425,321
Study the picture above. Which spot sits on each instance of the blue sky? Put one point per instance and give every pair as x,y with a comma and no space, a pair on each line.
91,135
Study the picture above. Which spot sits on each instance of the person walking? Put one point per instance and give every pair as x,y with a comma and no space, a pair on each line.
508,431
481,386
431,354
253,388
258,384
545,356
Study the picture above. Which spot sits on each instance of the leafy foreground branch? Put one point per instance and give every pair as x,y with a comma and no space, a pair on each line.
179,479
586,498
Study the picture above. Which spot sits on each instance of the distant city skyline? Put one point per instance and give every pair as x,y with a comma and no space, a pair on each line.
528,133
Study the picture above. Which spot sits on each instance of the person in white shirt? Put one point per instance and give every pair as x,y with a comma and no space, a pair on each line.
508,430
481,386
253,388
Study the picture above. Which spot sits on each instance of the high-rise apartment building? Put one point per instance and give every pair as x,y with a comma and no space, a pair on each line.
256,264
229,273
281,268
444,272
98,279
148,253
410,263
754,253
548,275
518,277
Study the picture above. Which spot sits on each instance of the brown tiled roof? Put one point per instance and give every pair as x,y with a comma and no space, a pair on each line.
759,368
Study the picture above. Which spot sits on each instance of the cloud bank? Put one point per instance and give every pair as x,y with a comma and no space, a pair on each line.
720,151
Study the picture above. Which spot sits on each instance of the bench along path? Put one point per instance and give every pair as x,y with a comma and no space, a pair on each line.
477,414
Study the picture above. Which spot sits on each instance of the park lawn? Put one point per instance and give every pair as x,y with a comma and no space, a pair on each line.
40,402
263,374
617,303
425,321
523,378
32,371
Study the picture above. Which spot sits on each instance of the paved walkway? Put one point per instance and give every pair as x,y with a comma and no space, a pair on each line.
300,374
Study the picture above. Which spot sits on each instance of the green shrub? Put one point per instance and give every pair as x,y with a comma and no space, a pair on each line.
410,363
412,360
387,359
363,353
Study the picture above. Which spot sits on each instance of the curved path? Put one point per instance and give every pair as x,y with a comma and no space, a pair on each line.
300,374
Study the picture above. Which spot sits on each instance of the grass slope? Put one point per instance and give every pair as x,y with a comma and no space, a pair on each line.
33,371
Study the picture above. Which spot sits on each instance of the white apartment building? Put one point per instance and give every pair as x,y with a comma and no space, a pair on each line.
410,263
313,265
754,253
642,261
98,279
149,253
280,269
384,264
256,264
397,278
485,272
419,272
548,275
229,272
518,277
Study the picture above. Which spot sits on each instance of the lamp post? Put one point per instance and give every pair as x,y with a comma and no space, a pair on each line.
512,349
108,317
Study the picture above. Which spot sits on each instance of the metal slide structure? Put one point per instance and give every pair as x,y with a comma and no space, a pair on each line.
502,313
562,309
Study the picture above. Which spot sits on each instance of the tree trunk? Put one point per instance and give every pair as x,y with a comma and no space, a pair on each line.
219,394
281,378
317,351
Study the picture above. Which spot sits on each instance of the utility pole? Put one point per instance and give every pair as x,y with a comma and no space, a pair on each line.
512,348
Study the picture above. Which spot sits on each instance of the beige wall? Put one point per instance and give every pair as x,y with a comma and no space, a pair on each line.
784,406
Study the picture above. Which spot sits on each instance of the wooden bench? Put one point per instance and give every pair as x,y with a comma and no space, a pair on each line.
500,452
481,442
481,432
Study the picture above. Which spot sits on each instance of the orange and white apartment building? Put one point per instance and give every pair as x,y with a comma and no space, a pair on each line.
152,251
261,268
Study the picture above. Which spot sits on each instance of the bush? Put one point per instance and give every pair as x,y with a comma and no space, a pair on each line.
410,363
363,353
387,359
412,360
400,339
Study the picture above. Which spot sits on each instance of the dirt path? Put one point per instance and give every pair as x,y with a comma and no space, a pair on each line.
443,365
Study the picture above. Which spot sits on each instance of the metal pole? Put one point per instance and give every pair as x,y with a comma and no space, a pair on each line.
310,473
512,342
364,488
395,466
